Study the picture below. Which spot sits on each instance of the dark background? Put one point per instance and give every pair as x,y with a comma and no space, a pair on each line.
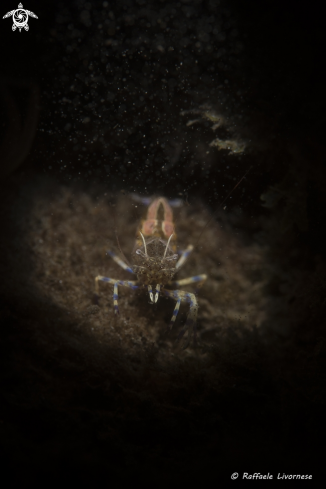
104,90
109,113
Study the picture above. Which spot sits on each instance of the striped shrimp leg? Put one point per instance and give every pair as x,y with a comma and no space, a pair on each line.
190,326
131,284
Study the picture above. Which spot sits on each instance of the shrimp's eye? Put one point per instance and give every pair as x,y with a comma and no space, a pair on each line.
141,253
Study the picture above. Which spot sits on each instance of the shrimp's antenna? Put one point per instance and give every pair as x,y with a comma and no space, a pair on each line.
220,205
122,253
144,242
167,245
117,238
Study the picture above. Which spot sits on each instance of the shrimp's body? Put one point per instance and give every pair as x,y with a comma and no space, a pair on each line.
155,262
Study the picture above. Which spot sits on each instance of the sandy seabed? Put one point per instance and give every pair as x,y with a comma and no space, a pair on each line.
100,396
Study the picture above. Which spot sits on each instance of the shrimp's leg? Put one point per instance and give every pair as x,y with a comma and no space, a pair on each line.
184,256
190,280
120,262
182,296
125,283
